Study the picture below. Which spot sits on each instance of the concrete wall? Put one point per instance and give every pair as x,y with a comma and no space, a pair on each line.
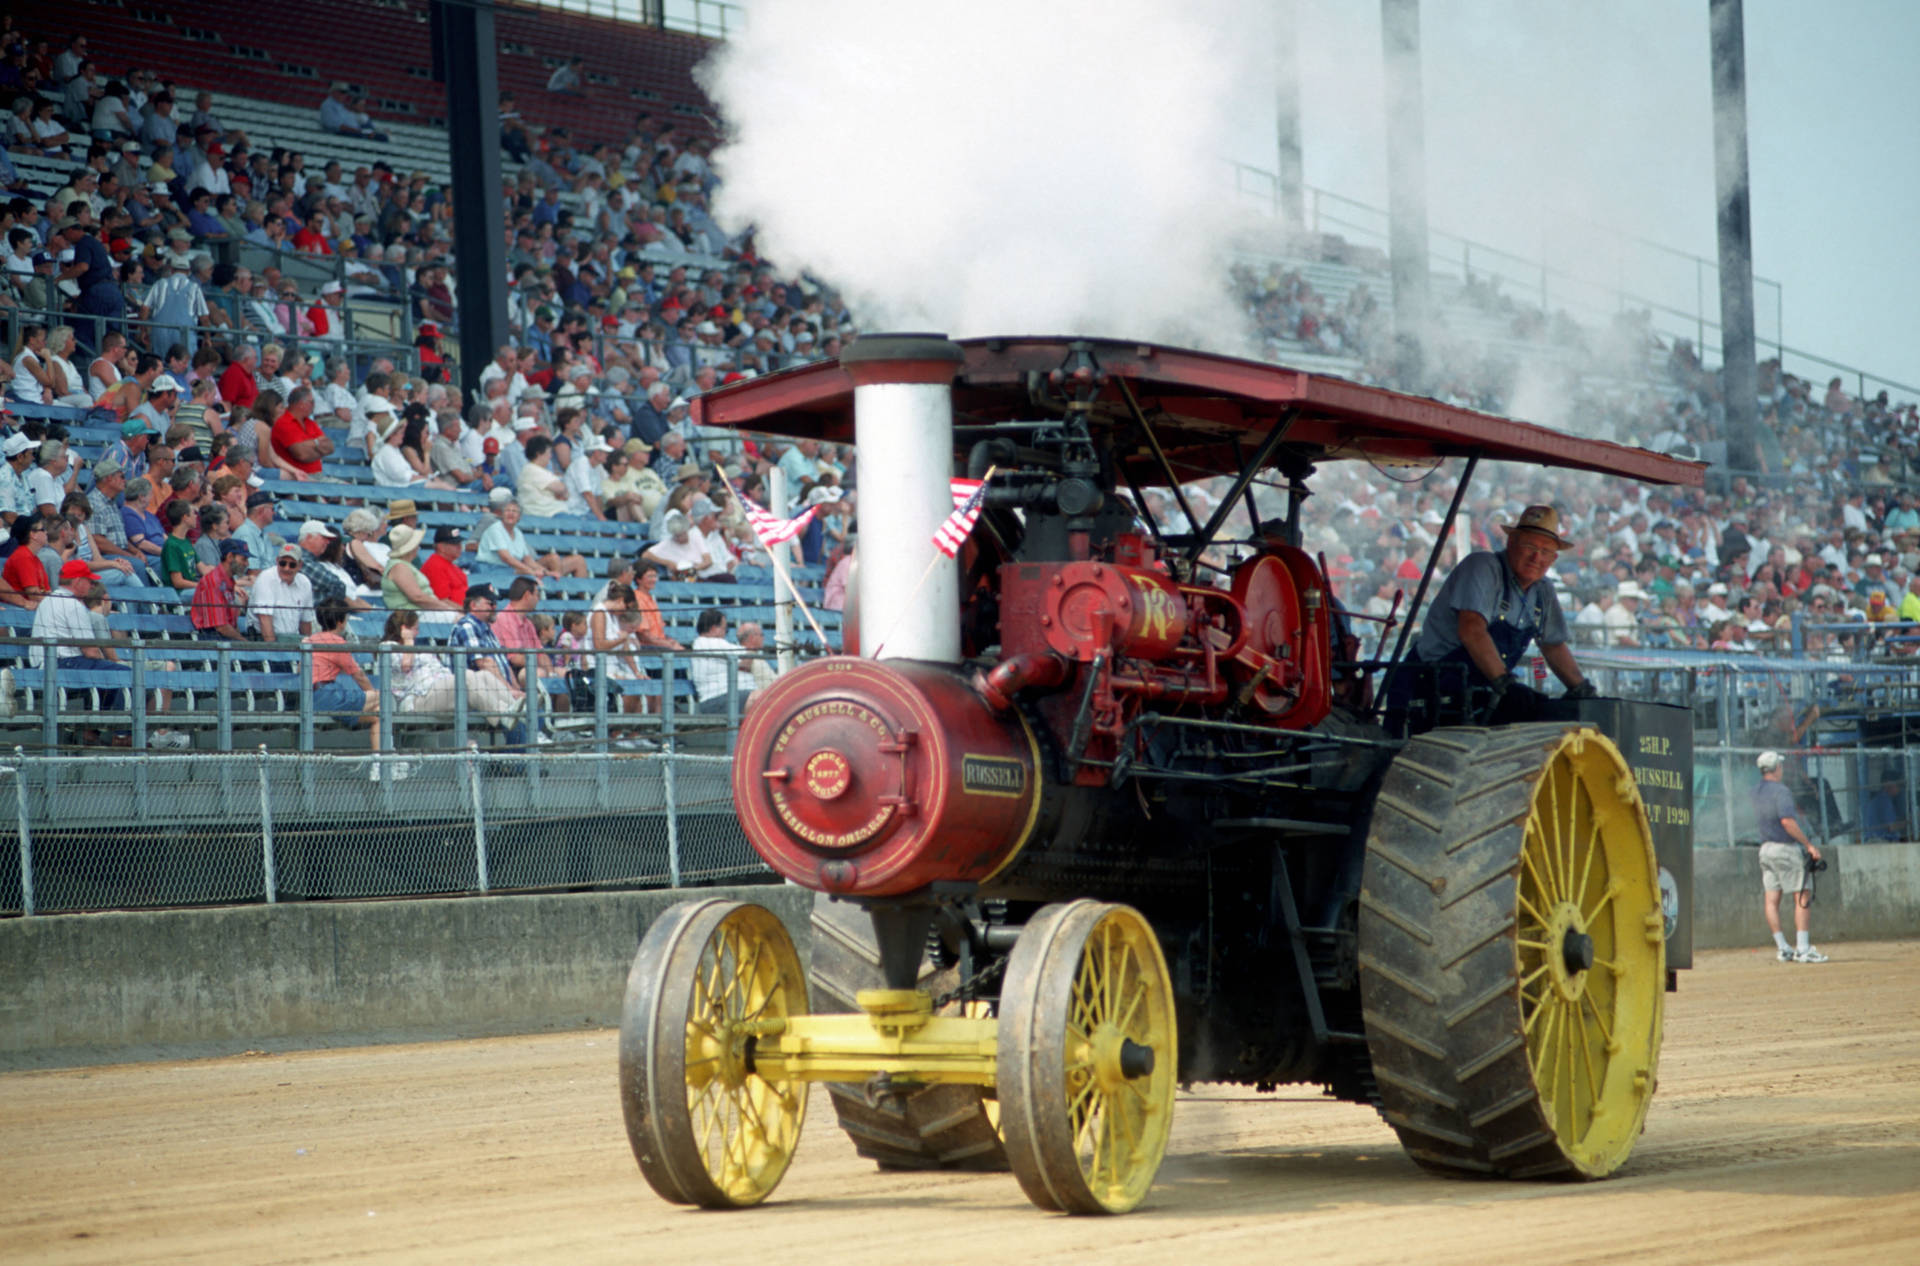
1869,892
87,988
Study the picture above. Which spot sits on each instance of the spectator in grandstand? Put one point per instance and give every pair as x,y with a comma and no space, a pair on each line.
683,551
34,380
569,78
540,492
652,628
503,541
442,567
262,546
62,618
473,632
390,467
343,112
320,553
341,688
365,559
69,387
19,453
709,672
92,271
297,445
25,573
217,599
753,642
422,681
403,586
447,460
52,477
281,601
1910,602
513,624
631,491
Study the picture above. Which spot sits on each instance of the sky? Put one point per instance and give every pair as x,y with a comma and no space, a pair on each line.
1542,117
1560,132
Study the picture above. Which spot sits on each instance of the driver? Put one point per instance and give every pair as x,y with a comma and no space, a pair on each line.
1492,607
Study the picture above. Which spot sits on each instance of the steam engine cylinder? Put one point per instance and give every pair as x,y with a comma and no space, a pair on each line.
878,777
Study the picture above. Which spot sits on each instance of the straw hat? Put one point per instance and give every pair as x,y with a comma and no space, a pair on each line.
405,540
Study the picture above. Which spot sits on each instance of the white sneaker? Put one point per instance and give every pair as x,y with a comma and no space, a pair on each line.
172,740
1786,955
1811,954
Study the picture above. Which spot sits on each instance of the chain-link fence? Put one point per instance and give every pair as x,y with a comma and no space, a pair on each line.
138,831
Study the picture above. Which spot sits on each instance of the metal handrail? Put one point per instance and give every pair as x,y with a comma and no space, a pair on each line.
1544,273
711,19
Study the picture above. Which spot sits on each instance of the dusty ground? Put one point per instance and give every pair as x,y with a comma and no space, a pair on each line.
1787,1127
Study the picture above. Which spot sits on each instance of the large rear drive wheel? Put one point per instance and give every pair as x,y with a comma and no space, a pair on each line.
1087,1059
926,1127
705,1126
1512,952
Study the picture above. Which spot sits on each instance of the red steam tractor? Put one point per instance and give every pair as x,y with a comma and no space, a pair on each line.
1090,819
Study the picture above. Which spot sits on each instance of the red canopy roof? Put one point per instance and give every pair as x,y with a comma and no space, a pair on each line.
1207,411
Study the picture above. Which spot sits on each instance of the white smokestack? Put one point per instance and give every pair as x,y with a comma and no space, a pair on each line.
903,427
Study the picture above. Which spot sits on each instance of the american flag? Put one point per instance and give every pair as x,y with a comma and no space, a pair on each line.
769,527
968,496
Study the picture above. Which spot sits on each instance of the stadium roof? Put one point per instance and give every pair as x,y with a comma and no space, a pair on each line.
1206,412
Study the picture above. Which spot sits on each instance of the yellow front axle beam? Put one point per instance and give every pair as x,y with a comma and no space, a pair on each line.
895,1033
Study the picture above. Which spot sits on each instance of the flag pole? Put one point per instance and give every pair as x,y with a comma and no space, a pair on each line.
773,556
922,582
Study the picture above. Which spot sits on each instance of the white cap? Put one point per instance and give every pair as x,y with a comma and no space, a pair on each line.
1768,761
164,382
314,527
331,288
379,404
524,423
706,327
1630,589
16,444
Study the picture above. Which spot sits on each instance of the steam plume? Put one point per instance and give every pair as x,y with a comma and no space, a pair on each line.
995,167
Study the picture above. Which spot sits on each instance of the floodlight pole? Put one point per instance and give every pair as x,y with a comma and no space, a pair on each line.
1739,376
463,60
1406,186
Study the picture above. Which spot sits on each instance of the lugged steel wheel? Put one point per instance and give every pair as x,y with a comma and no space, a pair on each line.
913,1128
705,1126
1088,1055
1513,952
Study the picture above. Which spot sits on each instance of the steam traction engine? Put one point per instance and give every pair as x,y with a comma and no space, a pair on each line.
1090,818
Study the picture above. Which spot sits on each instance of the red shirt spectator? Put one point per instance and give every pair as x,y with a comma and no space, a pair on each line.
442,572
310,241
237,386
25,572
289,430
214,597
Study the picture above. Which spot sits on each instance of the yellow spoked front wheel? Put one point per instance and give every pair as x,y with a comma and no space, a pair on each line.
1088,1057
1591,946
706,1127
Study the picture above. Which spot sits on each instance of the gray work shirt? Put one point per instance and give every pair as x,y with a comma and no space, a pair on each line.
1484,583
1772,805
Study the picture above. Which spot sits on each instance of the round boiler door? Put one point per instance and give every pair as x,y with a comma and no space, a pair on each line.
838,773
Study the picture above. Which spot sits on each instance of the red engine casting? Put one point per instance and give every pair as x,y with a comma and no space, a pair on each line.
878,777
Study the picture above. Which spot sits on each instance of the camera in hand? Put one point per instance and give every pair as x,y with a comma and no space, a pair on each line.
1816,864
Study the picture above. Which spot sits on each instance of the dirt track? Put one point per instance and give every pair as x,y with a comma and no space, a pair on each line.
1787,1126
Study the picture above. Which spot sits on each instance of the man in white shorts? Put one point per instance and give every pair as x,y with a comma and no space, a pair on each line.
1783,865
